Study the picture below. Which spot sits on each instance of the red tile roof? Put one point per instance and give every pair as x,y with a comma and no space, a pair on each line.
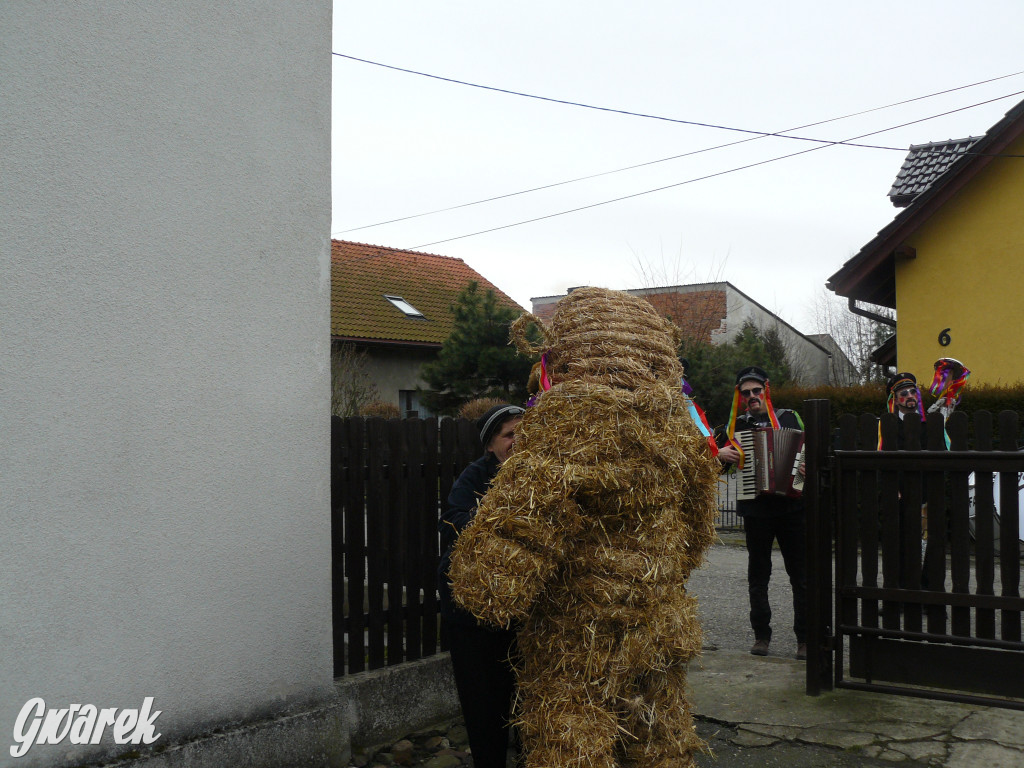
361,275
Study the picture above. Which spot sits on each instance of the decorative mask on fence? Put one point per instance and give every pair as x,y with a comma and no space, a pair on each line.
950,377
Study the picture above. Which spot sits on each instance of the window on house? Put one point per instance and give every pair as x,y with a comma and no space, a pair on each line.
410,405
408,309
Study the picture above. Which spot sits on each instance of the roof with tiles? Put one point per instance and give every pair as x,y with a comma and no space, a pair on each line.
362,276
924,164
870,274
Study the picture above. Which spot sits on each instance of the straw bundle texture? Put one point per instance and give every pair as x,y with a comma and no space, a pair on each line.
586,539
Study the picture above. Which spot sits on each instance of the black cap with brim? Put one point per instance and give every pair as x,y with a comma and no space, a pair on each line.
489,423
752,372
899,381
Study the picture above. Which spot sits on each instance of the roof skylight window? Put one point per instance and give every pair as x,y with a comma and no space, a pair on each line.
408,309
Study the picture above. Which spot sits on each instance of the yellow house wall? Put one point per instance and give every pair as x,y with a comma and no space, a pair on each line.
968,277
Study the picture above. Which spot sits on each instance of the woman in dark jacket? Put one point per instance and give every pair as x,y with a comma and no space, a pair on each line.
481,654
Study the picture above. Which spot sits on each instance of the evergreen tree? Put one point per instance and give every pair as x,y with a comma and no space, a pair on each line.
713,367
476,359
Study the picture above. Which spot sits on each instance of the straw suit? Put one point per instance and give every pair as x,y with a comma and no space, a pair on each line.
587,536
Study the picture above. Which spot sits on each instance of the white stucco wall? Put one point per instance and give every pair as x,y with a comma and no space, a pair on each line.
164,347
810,363
396,370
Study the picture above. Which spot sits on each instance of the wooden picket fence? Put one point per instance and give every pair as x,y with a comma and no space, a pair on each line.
389,479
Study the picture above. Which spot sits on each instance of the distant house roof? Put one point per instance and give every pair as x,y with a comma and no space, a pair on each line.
386,295
661,299
885,354
870,276
924,164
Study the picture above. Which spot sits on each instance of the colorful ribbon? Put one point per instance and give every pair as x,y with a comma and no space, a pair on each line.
701,420
949,379
545,381
730,432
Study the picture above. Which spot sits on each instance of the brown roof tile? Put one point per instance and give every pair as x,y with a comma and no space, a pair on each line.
870,274
361,275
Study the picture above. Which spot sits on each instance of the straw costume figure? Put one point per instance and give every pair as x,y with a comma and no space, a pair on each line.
587,536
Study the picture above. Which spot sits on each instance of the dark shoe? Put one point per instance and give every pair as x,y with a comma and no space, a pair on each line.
760,648
801,651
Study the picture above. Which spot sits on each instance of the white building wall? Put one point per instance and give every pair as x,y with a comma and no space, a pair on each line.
810,363
164,290
392,370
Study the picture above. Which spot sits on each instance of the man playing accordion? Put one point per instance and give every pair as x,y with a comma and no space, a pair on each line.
767,517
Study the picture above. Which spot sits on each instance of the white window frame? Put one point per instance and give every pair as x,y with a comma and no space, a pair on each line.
404,306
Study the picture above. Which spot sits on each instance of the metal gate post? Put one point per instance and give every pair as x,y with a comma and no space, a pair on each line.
818,512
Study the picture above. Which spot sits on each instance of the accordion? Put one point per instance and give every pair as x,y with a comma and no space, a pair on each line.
771,459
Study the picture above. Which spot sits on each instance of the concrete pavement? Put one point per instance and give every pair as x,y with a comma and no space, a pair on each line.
761,701
753,711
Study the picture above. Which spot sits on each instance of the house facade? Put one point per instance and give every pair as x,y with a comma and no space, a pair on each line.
951,263
715,312
395,307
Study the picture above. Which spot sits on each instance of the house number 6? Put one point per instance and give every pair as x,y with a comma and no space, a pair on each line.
944,338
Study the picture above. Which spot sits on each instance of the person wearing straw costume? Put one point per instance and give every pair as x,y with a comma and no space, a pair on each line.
767,518
482,655
587,536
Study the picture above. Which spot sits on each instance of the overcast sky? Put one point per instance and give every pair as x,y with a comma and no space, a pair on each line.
404,144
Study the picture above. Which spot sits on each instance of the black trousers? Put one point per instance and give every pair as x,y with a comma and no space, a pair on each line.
484,677
761,532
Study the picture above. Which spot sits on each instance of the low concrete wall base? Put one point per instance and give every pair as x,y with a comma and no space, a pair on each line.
394,701
318,737
371,709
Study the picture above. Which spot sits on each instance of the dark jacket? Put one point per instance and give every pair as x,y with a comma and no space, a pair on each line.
459,511
767,505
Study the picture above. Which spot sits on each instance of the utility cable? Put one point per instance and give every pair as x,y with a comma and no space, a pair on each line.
759,135
591,106
708,176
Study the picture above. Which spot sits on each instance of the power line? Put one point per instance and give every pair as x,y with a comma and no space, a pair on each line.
758,135
602,109
713,175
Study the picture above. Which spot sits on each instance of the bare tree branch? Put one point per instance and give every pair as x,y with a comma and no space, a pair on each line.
351,387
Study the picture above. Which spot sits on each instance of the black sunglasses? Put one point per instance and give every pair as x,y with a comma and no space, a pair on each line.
752,392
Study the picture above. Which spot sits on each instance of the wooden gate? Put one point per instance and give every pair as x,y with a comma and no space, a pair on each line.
927,558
